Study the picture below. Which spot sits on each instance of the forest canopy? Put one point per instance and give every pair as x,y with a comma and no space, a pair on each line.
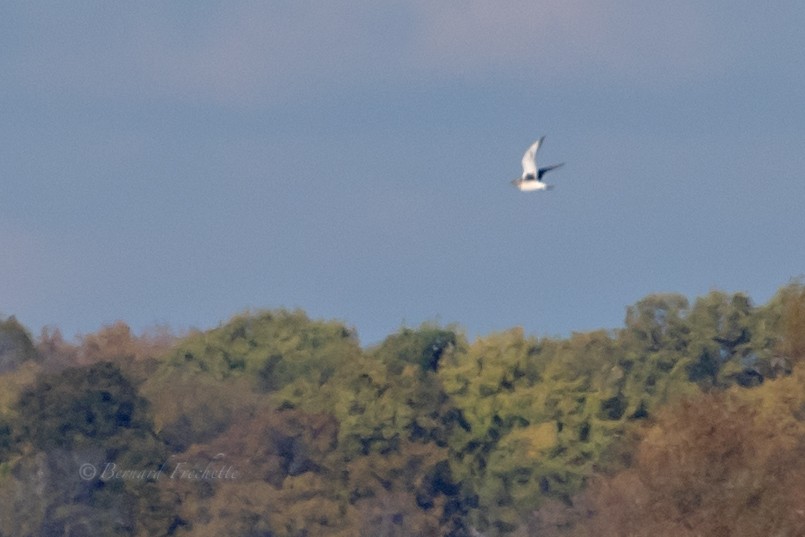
687,420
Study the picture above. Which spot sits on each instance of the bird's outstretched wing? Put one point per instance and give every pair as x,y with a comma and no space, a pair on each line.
546,169
530,158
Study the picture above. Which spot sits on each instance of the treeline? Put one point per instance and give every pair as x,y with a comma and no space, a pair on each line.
688,420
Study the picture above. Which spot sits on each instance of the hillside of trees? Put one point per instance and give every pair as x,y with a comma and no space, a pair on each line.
687,421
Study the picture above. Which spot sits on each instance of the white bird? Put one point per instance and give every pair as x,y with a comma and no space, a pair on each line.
532,177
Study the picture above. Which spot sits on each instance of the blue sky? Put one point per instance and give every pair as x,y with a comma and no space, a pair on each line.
180,162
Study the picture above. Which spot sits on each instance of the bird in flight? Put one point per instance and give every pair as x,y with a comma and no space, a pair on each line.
532,176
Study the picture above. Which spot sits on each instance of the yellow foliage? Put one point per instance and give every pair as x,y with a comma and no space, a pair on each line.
531,441
11,384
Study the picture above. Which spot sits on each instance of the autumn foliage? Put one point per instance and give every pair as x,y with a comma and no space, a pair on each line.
688,421
716,464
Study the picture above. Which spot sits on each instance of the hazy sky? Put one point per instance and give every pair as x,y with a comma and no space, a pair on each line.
180,162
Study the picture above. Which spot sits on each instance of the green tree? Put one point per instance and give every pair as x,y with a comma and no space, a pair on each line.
723,463
267,358
274,347
64,422
92,405
402,484
16,345
530,427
